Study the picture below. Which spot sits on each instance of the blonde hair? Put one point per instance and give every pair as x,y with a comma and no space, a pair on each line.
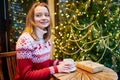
30,24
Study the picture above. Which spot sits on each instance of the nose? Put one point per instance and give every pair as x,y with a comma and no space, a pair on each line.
43,16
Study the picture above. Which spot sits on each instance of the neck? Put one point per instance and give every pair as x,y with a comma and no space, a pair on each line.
40,32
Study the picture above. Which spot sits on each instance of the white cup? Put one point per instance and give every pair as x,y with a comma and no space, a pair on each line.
70,62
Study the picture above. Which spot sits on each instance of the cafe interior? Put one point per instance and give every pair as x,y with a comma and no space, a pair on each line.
82,30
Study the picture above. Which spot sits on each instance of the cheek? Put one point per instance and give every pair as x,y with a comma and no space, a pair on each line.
49,20
36,19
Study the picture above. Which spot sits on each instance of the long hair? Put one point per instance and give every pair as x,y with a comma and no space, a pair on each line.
30,24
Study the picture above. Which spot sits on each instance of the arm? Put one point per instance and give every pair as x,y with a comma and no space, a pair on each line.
54,62
27,73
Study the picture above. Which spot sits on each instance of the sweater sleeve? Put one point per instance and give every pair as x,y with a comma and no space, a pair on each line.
54,62
24,62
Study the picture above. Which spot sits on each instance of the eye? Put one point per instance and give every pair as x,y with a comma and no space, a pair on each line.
47,15
38,15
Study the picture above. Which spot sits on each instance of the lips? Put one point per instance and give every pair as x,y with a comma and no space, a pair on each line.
44,23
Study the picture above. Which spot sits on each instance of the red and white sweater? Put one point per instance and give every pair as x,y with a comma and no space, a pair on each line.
33,59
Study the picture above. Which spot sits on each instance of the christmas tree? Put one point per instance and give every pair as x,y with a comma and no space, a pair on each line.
88,30
17,18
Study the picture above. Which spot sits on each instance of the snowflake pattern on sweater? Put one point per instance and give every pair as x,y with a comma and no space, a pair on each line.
33,59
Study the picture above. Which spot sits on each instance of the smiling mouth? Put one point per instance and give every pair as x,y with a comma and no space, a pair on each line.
43,22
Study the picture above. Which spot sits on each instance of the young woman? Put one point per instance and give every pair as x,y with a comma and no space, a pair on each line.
33,47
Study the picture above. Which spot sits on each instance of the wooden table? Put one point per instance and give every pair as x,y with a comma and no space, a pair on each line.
79,74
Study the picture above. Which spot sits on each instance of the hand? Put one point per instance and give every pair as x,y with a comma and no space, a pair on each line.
62,67
69,62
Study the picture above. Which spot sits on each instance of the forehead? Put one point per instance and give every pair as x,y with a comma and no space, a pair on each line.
40,9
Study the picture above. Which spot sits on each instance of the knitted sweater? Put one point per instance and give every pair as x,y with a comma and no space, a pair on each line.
33,59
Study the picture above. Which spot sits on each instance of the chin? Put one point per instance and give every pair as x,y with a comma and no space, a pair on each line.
43,27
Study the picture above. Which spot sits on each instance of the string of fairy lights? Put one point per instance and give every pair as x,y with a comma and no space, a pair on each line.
87,28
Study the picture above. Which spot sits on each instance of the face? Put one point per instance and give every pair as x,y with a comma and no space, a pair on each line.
41,17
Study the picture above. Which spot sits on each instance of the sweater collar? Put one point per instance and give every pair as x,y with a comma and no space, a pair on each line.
40,32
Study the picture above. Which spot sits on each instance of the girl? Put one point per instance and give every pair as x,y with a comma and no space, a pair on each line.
33,47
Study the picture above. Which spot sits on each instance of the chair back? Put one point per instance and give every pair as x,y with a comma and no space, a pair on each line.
11,64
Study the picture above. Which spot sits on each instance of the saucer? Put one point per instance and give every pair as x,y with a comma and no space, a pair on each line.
73,69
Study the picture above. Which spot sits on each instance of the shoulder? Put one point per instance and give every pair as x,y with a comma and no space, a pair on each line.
50,42
25,39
